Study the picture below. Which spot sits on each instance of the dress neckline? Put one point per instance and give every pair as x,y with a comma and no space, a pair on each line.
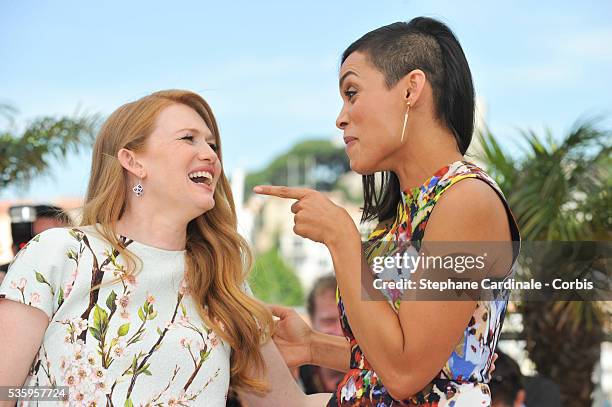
409,193
135,244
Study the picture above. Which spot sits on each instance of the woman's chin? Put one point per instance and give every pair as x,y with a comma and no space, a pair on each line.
203,205
360,168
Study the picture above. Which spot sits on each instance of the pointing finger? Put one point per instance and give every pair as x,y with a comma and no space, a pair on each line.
281,191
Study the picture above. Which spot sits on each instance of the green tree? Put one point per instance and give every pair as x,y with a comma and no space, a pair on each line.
273,281
560,191
26,155
316,160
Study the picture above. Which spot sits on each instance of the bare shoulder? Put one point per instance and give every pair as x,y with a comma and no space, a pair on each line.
469,210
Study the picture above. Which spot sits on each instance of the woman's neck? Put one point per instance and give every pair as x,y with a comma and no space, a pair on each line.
152,229
426,151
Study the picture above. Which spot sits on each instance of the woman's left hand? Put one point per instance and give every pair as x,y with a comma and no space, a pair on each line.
316,216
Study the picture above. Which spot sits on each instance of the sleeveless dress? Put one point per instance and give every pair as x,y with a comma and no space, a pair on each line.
137,341
462,380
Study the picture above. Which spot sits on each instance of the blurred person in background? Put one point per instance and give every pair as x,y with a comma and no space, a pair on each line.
507,386
323,313
28,221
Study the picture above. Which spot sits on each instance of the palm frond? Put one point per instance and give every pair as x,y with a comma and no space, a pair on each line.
22,157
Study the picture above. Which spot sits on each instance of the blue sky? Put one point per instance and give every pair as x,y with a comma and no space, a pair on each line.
269,68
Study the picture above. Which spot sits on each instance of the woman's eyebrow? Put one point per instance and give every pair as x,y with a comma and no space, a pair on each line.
345,75
190,129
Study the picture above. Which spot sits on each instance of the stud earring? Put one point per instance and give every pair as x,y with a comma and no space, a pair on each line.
405,121
138,189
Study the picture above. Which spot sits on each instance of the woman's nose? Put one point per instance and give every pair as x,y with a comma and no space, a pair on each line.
341,120
208,154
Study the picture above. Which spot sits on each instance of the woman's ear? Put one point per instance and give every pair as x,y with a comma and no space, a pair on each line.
413,84
127,159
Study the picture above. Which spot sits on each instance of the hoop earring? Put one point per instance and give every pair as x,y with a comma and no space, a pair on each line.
138,189
405,121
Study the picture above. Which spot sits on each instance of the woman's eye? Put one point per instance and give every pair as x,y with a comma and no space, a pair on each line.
350,94
187,137
214,147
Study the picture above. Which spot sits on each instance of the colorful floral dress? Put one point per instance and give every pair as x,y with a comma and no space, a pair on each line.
135,342
462,380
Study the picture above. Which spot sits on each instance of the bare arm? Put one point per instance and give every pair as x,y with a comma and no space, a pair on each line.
407,349
300,345
22,329
282,385
331,351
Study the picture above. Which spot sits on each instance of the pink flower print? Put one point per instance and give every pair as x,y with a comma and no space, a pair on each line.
130,279
79,325
150,299
83,372
63,362
109,268
185,343
77,349
72,380
183,320
103,387
212,340
70,284
98,375
67,289
123,301
180,400
20,285
91,359
78,355
78,396
118,351
35,299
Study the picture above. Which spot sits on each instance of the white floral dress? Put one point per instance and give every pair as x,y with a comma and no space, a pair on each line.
138,341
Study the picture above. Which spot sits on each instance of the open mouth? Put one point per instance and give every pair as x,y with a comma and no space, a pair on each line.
201,177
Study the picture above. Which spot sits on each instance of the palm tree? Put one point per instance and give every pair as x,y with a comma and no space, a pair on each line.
24,156
560,191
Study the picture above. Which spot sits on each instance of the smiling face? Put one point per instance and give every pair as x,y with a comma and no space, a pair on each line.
371,116
179,163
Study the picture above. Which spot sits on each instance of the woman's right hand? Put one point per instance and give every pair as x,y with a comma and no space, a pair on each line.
292,336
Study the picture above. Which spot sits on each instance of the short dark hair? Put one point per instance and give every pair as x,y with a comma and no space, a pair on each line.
397,49
321,285
507,379
50,211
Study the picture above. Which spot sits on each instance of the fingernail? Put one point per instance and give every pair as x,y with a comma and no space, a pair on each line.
258,189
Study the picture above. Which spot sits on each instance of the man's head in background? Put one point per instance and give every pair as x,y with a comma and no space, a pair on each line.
323,313
28,221
322,308
507,388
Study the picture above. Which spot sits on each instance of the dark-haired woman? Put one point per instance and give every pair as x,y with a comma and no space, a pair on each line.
408,115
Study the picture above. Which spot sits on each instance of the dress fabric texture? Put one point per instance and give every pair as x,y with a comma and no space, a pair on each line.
463,379
136,341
